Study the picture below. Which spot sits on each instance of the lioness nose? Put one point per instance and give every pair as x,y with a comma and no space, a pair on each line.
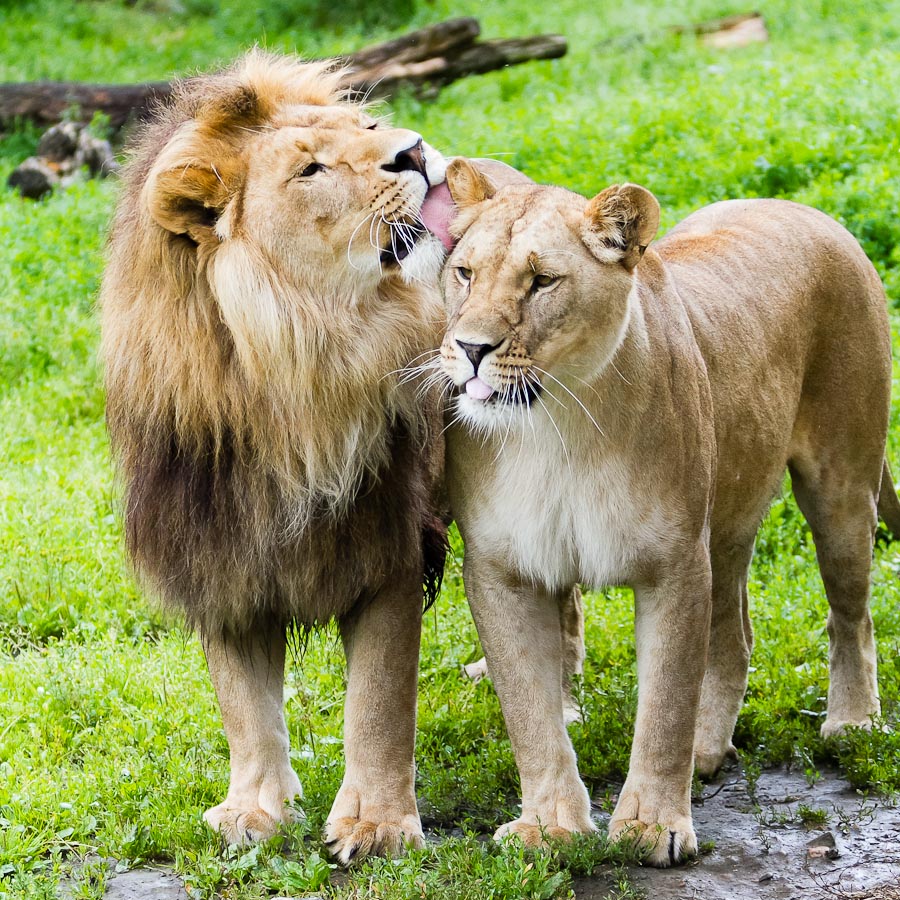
412,159
476,352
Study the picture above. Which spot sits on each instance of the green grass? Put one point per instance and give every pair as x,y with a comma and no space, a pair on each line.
110,740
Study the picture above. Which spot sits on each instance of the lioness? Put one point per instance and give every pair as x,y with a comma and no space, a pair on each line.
269,278
625,414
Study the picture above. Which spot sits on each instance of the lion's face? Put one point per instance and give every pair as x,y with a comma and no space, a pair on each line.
537,292
331,190
326,195
270,275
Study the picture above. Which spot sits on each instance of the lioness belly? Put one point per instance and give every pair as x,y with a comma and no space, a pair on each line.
556,519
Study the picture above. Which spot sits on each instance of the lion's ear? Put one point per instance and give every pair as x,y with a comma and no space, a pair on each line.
187,199
467,185
620,223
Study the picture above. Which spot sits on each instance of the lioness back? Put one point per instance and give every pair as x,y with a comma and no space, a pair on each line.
794,285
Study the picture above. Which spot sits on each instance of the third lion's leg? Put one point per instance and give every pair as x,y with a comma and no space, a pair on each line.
571,620
672,632
519,627
248,673
730,645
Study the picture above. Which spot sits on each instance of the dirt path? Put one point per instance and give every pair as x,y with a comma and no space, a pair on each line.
763,848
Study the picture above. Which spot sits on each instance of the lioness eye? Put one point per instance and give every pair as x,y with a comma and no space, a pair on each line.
312,169
464,274
544,281
372,127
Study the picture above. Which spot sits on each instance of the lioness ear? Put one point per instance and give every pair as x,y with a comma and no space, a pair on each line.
621,220
467,185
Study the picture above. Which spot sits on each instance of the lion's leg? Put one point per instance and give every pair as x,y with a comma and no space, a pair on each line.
671,630
571,620
841,511
248,674
375,809
730,645
519,627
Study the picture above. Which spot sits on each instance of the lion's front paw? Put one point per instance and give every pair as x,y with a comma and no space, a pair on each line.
532,835
243,826
351,839
661,843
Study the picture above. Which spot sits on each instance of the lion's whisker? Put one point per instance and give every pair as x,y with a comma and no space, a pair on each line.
353,235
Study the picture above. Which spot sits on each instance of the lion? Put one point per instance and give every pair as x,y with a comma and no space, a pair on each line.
269,280
624,414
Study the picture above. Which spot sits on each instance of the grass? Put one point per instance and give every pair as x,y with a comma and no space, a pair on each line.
110,741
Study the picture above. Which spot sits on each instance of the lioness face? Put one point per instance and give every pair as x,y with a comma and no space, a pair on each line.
537,292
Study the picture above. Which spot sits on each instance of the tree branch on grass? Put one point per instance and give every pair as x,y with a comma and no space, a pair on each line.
424,61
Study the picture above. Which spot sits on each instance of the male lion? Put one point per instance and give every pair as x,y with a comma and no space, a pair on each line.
269,277
625,415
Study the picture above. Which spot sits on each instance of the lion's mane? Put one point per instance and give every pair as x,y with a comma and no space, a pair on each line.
273,467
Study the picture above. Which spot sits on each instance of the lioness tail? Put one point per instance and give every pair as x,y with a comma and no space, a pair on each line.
888,502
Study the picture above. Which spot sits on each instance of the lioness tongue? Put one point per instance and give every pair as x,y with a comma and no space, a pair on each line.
477,389
437,211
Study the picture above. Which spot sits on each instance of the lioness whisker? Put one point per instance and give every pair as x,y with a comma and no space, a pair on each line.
555,428
573,396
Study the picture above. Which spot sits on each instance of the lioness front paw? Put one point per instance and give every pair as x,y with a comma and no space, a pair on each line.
837,727
531,834
660,843
244,826
351,839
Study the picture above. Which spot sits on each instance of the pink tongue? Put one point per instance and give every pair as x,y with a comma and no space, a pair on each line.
477,389
437,211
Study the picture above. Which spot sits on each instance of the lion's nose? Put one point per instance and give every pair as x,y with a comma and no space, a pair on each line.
412,159
476,352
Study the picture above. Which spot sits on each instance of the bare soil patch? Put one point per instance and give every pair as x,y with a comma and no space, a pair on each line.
773,843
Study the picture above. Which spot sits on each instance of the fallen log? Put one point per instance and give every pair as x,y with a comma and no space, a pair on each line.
424,61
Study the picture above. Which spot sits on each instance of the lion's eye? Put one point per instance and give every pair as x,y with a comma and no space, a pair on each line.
463,274
312,169
543,281
372,127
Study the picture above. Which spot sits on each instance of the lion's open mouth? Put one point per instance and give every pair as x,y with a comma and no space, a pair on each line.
402,241
434,216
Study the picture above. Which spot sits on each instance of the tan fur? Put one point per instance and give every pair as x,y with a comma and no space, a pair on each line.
647,402
277,470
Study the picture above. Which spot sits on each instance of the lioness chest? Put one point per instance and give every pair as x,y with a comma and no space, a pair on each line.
556,514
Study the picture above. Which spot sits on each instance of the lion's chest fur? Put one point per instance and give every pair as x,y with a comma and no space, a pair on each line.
559,517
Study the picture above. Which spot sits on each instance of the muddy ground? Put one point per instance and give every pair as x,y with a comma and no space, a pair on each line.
786,840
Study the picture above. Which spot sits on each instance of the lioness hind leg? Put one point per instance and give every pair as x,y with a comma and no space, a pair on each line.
248,673
840,507
375,811
730,646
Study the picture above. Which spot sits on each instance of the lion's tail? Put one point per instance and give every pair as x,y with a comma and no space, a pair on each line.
889,502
